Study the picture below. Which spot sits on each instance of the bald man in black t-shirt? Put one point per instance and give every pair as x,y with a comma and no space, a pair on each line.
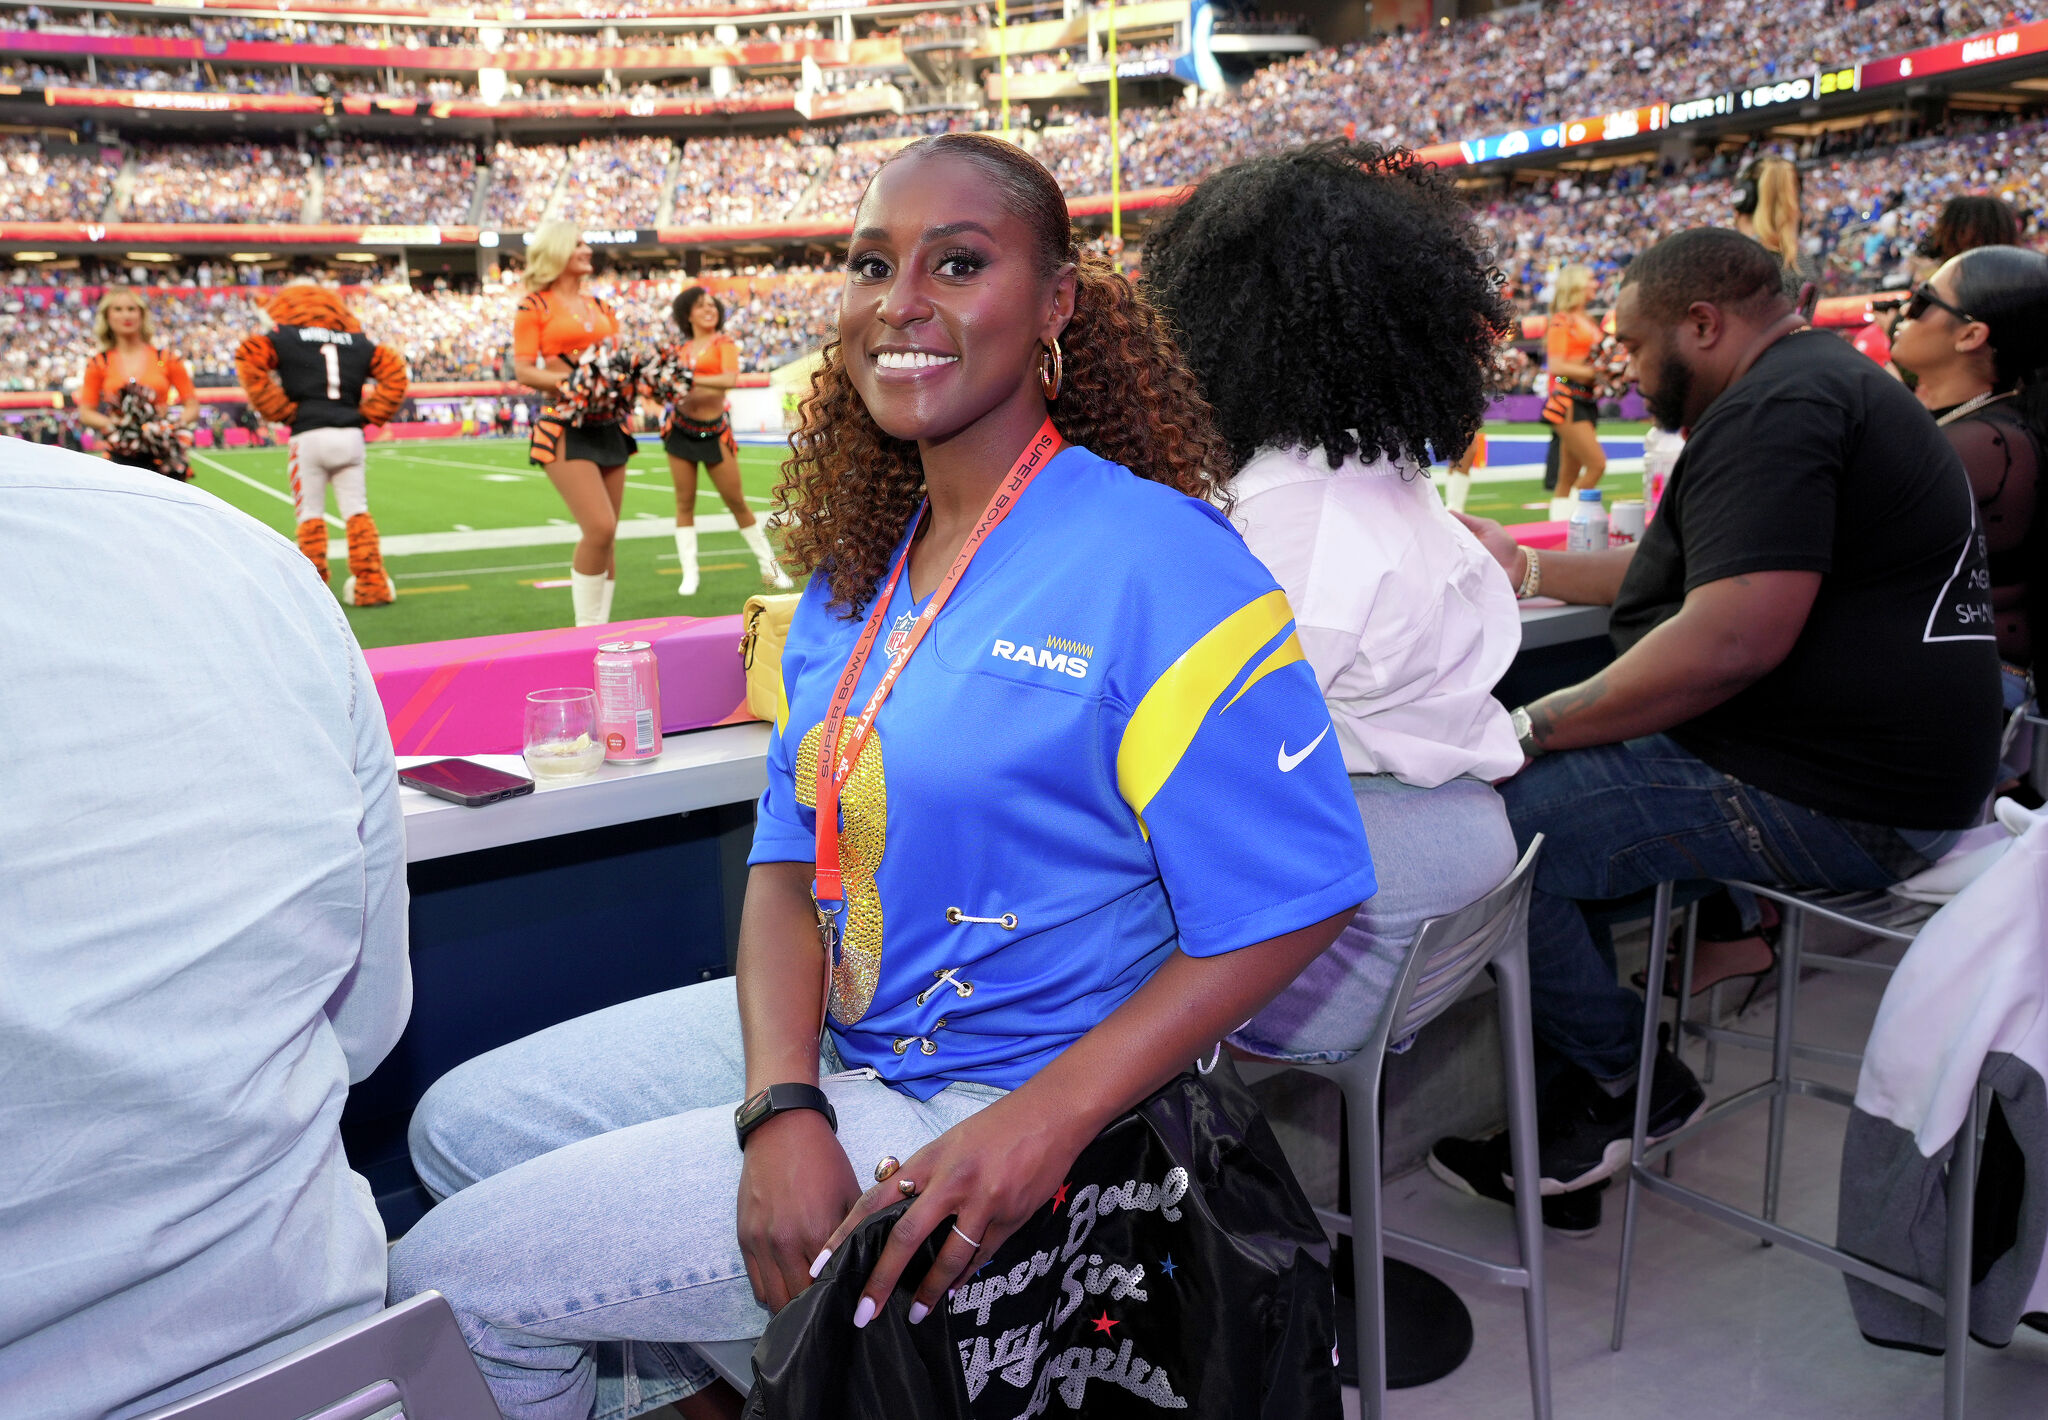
1806,690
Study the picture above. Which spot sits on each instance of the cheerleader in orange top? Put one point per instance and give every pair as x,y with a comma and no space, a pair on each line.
697,430
121,326
583,452
1573,408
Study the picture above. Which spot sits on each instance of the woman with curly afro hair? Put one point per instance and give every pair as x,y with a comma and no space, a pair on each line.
1342,316
1032,674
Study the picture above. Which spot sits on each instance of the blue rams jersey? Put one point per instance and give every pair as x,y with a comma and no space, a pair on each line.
1108,745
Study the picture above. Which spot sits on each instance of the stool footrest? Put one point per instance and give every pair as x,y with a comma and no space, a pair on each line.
1424,1253
1752,1040
1782,1236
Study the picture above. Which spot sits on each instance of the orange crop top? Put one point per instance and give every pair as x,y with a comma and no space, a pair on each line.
162,375
1571,338
548,324
711,359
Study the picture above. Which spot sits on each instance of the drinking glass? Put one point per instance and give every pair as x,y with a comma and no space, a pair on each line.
561,734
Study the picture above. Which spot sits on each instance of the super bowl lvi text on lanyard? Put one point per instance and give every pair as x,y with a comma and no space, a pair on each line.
838,754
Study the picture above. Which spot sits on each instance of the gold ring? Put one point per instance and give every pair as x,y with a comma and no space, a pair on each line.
908,1187
885,1167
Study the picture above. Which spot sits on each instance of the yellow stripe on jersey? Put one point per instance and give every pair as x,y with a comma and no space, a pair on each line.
1285,654
1165,722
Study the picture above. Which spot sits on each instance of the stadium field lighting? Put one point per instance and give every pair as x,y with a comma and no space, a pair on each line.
151,256
249,257
35,256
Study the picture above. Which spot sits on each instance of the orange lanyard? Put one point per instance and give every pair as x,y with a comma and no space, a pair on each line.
836,754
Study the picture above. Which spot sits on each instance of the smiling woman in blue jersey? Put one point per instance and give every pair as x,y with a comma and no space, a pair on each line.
1089,818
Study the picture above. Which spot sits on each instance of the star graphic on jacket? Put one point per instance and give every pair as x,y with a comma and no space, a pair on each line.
1169,1266
1103,1323
1061,1196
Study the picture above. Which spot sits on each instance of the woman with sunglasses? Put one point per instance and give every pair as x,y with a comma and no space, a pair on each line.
1975,337
1094,819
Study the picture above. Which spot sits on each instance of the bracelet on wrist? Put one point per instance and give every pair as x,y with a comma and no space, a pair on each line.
1532,576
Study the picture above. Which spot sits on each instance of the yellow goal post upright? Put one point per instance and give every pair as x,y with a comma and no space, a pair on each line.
1116,146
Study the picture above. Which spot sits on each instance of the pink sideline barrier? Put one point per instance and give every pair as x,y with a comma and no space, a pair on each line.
1544,537
469,696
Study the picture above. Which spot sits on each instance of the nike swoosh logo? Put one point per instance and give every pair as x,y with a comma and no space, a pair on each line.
1288,761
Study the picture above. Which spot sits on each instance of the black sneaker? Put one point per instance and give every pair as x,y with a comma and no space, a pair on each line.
1589,1144
1482,1168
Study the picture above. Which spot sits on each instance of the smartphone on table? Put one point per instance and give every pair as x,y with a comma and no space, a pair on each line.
464,781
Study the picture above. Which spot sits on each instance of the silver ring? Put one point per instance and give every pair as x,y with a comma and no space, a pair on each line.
966,1239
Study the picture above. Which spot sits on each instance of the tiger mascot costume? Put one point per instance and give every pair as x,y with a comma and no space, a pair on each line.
308,371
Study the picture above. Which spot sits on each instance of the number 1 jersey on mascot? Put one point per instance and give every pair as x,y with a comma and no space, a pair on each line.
308,371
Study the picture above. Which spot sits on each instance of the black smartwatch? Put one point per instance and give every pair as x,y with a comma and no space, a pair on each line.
780,1099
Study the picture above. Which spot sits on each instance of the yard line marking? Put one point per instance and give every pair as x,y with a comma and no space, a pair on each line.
422,591
487,571
219,467
499,539
464,527
547,584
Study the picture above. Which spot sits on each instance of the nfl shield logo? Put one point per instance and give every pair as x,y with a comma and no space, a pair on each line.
899,635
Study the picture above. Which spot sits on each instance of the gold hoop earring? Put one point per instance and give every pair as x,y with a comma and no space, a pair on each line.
1052,370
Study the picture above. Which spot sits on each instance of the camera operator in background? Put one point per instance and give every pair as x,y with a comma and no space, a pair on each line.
1767,208
1807,687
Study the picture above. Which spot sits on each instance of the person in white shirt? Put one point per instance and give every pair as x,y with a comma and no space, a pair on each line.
202,942
1339,313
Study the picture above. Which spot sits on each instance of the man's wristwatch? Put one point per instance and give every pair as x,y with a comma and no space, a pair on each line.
780,1099
1525,732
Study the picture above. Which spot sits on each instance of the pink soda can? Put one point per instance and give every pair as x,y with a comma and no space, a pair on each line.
628,702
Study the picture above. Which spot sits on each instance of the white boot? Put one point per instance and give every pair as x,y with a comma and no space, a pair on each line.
604,605
587,596
1561,509
1457,488
756,538
686,549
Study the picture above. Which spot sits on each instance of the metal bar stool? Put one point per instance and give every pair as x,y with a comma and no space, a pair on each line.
1883,916
1447,953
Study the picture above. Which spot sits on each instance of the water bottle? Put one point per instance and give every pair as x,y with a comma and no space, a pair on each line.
1587,531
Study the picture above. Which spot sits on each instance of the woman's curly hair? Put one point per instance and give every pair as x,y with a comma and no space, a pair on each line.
848,490
1336,297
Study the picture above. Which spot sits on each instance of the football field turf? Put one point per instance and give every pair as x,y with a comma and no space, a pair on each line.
473,534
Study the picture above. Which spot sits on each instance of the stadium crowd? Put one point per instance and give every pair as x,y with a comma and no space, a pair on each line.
217,182
47,183
741,181
397,182
617,182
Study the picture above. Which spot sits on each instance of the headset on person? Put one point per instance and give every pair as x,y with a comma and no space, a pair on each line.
1745,191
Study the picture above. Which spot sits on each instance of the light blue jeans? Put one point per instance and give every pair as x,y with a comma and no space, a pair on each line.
590,1179
1433,851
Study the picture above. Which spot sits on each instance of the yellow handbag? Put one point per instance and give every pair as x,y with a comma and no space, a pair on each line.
767,631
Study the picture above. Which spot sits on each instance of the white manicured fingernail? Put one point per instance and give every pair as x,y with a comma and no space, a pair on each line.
864,1313
918,1312
819,1266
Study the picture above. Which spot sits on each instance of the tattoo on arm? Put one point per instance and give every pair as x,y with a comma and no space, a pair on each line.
1560,705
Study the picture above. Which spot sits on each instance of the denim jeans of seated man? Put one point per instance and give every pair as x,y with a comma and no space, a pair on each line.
1619,819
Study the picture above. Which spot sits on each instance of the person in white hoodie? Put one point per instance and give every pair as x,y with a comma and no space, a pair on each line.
1339,311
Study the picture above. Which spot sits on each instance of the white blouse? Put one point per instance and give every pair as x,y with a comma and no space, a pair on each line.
1406,619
